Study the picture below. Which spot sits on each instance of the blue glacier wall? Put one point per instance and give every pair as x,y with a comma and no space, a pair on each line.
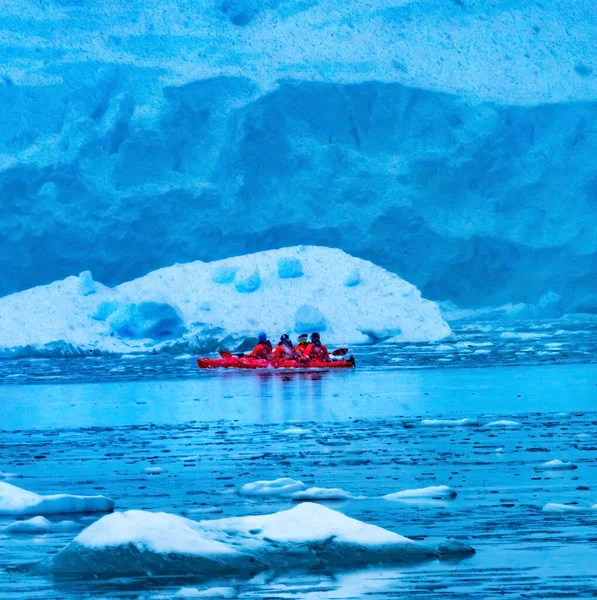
133,137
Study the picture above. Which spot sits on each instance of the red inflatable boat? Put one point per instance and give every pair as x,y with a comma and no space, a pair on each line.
235,362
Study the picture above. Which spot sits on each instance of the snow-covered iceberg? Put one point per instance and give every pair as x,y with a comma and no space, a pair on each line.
38,525
434,492
202,306
307,536
17,501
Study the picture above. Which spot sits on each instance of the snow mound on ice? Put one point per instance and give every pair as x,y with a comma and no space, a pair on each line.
39,525
466,422
434,491
17,501
198,306
309,535
284,486
557,465
315,493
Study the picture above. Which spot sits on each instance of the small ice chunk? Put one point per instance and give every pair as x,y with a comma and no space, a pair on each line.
38,525
503,423
17,501
434,491
313,494
554,507
353,278
466,422
284,486
153,470
215,592
557,465
296,431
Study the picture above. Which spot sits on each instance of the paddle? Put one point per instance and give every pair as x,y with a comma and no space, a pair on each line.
340,352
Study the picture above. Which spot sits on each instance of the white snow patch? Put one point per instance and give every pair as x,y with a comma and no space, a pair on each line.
316,493
39,525
466,422
137,542
557,465
17,501
153,470
284,486
434,492
167,307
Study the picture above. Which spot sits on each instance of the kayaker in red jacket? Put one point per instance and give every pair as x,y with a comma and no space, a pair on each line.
263,348
303,344
316,350
284,350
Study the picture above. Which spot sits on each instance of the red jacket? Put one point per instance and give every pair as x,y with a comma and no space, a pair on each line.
300,350
262,350
317,352
283,352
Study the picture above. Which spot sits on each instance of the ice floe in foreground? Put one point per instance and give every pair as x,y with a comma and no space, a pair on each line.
38,525
307,536
202,306
17,501
434,492
284,486
502,424
557,465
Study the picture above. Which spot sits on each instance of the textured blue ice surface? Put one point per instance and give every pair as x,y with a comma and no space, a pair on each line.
451,142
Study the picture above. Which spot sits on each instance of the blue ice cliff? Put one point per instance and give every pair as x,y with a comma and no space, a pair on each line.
452,142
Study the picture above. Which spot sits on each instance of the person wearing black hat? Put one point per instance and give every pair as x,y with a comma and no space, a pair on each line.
316,350
284,350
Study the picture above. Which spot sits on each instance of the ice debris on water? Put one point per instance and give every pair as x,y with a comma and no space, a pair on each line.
17,501
466,422
39,525
309,535
434,492
557,465
215,592
284,486
315,493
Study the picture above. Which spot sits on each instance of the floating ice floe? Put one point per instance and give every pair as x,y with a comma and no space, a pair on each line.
215,592
39,525
307,536
557,465
284,486
466,422
503,423
199,306
434,492
296,431
17,501
316,493
559,508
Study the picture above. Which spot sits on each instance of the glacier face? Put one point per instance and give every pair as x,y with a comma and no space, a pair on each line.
453,143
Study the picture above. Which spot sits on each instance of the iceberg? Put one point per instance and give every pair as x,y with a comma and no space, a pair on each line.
284,486
17,501
203,306
307,536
